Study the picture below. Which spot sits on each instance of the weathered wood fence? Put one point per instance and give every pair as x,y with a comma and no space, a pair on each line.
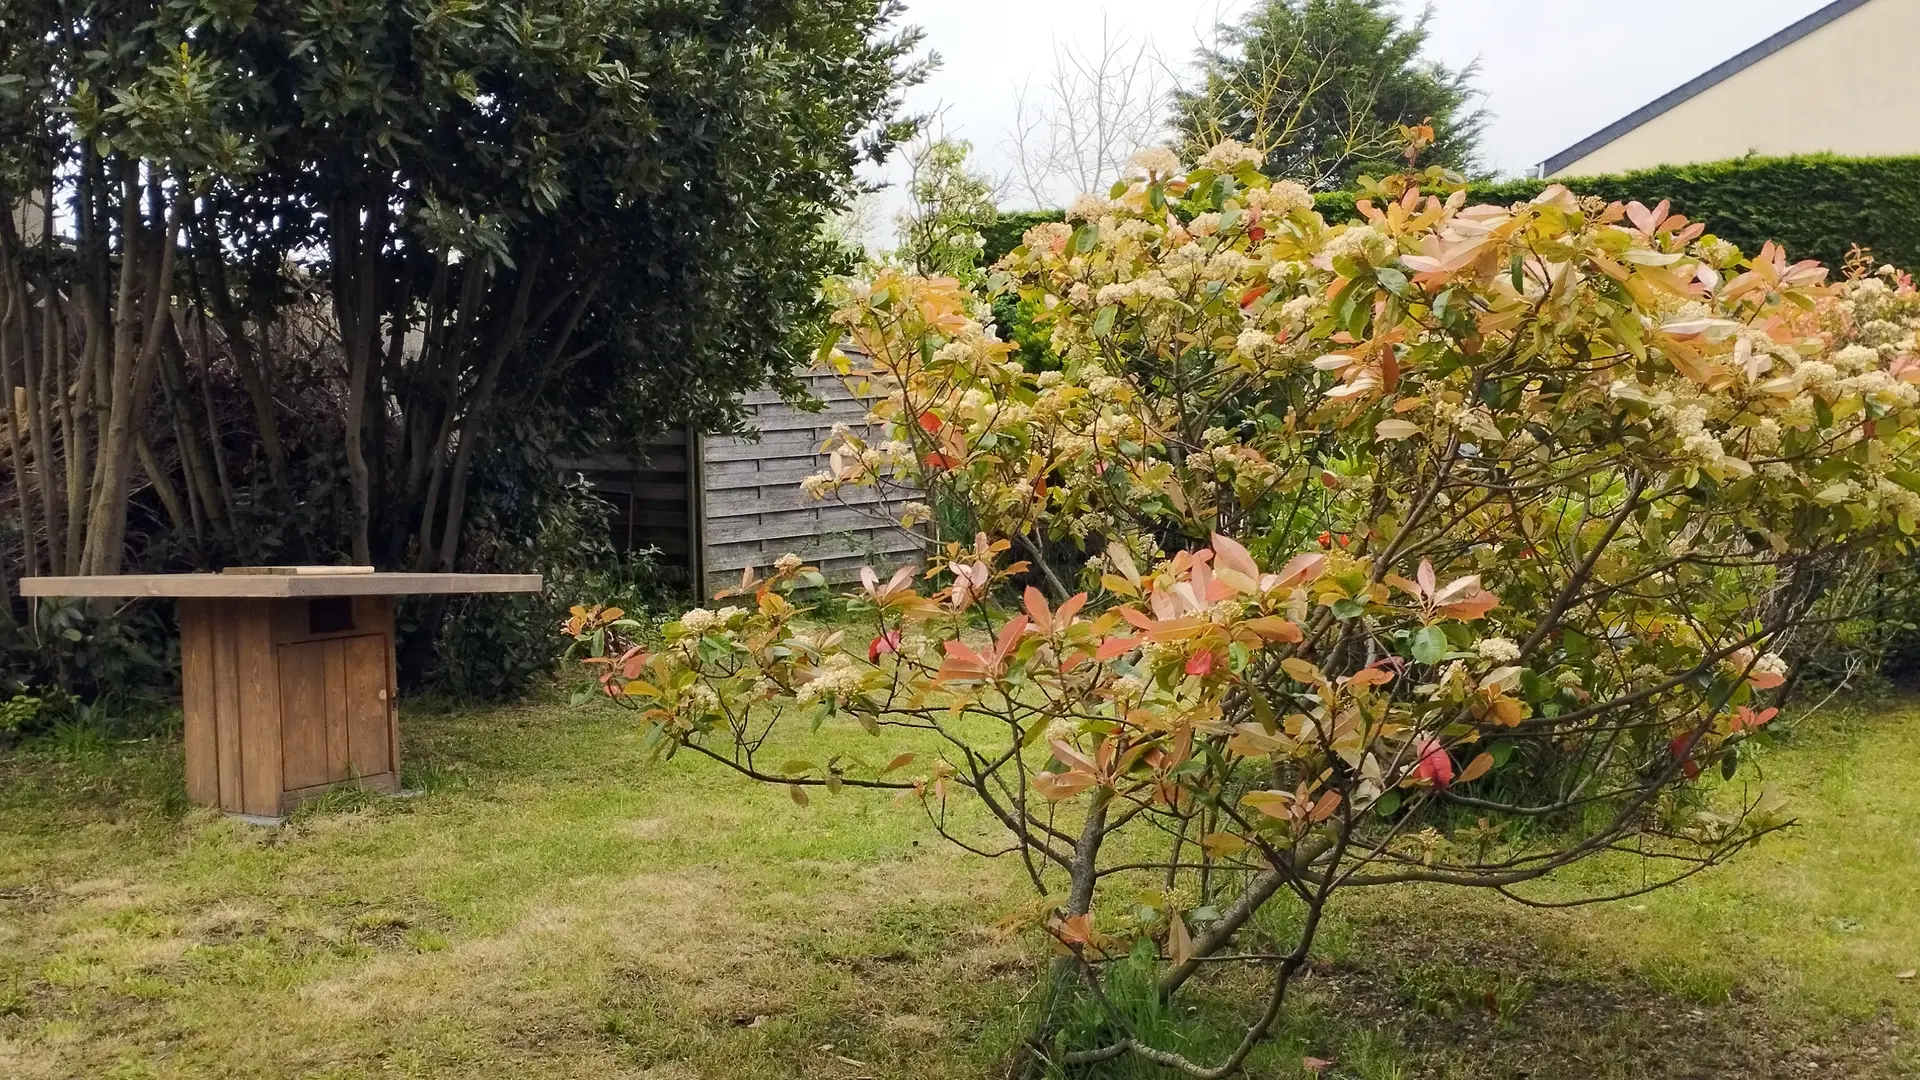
714,505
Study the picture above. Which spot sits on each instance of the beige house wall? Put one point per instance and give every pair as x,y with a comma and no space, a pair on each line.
1851,87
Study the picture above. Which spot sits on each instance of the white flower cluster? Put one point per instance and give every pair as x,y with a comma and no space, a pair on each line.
836,680
1228,155
699,700
1253,343
1499,650
1700,446
1717,252
1087,208
1157,161
1283,197
1363,244
1146,287
1902,502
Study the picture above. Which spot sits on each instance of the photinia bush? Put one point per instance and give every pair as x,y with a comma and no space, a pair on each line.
1449,546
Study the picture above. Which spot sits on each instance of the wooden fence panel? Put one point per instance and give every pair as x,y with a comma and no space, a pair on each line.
714,505
754,511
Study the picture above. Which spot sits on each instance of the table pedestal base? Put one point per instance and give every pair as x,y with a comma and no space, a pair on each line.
287,698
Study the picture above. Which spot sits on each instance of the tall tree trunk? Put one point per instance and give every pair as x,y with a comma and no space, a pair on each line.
136,349
357,299
474,425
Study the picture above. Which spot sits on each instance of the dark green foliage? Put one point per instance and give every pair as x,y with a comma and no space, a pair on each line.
424,249
1327,84
1816,206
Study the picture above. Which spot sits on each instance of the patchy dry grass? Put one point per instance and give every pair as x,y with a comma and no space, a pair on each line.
553,906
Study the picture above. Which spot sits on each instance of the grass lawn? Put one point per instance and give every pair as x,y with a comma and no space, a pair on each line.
554,906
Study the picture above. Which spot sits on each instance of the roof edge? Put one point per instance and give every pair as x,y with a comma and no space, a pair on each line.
1699,84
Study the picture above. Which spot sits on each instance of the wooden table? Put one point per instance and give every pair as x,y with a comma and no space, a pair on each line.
287,674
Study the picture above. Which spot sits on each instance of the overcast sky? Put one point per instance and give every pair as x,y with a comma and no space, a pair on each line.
1552,71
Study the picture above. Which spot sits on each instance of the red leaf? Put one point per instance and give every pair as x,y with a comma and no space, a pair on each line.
928,422
1202,663
1434,764
882,645
937,460
1681,745
1116,646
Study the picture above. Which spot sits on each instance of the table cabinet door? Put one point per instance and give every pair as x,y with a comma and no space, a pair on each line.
334,702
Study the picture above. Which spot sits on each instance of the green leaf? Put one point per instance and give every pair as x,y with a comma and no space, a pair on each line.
1103,320
1429,644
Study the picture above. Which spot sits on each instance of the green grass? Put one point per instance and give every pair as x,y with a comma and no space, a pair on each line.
555,906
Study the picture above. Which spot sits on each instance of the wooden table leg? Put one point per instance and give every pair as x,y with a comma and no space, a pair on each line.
230,697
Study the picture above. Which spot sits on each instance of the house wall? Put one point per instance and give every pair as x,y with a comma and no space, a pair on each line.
1850,87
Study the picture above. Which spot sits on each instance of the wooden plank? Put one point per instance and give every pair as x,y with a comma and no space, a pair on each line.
259,704
785,524
837,571
276,586
338,704
224,630
781,444
382,621
827,387
197,704
736,557
303,571
305,752
642,489
722,474
367,703
777,498
852,414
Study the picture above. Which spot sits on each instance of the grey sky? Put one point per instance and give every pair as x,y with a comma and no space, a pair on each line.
1552,71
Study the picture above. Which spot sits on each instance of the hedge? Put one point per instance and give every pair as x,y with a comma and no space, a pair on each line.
1816,206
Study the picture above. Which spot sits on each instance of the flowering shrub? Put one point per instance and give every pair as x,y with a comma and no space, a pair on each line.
1344,530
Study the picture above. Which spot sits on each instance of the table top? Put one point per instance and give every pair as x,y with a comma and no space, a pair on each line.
278,583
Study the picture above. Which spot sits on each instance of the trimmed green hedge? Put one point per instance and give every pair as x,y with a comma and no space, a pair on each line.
1816,206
